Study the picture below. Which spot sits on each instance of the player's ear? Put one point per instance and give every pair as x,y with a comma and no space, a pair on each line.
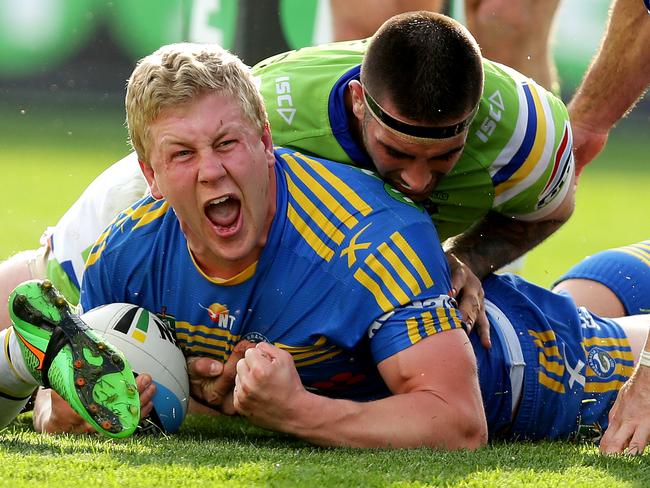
267,140
356,93
150,176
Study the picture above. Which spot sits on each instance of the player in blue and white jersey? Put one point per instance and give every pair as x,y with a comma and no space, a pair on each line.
342,283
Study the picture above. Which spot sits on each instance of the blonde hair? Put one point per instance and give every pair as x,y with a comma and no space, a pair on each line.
178,73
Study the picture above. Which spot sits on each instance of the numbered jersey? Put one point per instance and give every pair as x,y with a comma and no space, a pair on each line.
517,160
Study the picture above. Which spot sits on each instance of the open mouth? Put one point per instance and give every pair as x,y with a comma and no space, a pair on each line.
225,214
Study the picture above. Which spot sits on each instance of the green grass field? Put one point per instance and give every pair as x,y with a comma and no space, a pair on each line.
47,160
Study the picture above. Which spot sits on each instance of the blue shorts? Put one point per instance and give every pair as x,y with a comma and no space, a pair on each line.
565,365
624,270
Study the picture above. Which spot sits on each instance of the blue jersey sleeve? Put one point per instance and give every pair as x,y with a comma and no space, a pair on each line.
409,279
409,324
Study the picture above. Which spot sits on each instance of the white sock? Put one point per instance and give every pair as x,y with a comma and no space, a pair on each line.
16,383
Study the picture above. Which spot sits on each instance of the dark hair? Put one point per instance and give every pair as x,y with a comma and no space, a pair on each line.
427,64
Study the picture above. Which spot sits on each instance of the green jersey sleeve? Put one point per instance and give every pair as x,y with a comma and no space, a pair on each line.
517,160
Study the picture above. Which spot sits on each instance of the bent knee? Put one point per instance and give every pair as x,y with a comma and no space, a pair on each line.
595,296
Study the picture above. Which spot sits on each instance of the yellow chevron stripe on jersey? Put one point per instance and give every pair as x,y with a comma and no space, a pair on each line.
399,267
387,279
95,255
427,325
306,355
542,144
551,351
104,235
309,235
550,383
413,258
619,369
321,341
326,198
413,329
220,346
594,387
213,345
622,342
223,334
115,223
153,215
543,336
448,318
139,212
300,353
313,211
129,214
362,277
313,352
550,365
346,192
320,359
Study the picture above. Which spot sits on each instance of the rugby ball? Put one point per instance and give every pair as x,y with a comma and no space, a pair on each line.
150,346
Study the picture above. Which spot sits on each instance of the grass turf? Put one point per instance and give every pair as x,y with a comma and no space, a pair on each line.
228,452
47,161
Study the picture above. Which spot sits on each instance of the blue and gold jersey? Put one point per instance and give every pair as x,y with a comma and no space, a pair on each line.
554,370
352,273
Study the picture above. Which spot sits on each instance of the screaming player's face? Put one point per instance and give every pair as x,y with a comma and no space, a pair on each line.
216,170
412,166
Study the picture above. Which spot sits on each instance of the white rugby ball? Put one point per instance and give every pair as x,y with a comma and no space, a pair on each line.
150,346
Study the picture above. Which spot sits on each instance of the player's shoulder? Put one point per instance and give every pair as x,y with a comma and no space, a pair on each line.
505,86
342,214
515,114
333,53
132,225
344,191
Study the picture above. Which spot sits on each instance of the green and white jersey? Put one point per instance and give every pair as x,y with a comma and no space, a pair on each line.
517,160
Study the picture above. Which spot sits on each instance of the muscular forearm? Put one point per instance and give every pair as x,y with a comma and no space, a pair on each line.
436,402
498,240
620,72
400,421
